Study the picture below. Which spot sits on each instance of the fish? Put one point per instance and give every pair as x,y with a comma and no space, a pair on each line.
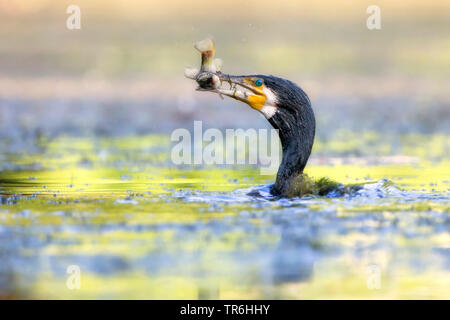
207,76
211,78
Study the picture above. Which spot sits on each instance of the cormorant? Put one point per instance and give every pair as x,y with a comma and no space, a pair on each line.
285,105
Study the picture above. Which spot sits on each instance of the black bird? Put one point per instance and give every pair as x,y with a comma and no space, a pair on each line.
285,105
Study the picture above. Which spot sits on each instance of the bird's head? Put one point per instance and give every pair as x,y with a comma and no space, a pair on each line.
252,90
266,94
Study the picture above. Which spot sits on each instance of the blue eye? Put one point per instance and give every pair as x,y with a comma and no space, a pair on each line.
258,83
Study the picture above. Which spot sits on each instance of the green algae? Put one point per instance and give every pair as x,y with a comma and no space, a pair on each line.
124,213
304,185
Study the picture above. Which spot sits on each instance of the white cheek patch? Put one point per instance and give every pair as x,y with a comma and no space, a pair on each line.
268,111
269,108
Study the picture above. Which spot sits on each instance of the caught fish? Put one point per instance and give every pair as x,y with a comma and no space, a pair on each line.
207,48
206,77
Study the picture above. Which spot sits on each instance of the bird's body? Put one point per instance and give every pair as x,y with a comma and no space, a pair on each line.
296,125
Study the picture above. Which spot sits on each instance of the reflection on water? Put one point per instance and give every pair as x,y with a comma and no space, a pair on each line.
139,227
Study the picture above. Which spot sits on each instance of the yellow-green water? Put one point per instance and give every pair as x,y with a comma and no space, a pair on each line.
140,227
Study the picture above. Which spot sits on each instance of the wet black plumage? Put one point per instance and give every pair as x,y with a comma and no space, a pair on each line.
296,124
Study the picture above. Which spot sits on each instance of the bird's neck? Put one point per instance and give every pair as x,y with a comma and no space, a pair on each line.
296,133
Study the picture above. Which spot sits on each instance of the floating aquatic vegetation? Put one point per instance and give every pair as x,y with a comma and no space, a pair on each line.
304,185
307,186
125,239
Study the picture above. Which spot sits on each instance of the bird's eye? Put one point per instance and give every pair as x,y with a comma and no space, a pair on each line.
258,83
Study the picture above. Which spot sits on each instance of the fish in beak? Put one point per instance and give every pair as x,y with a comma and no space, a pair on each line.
284,104
248,89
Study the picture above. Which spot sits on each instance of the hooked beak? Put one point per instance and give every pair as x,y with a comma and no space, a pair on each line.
241,88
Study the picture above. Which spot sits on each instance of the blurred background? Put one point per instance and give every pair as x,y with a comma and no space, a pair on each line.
122,73
86,177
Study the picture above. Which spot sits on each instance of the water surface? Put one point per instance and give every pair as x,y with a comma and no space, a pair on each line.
140,227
